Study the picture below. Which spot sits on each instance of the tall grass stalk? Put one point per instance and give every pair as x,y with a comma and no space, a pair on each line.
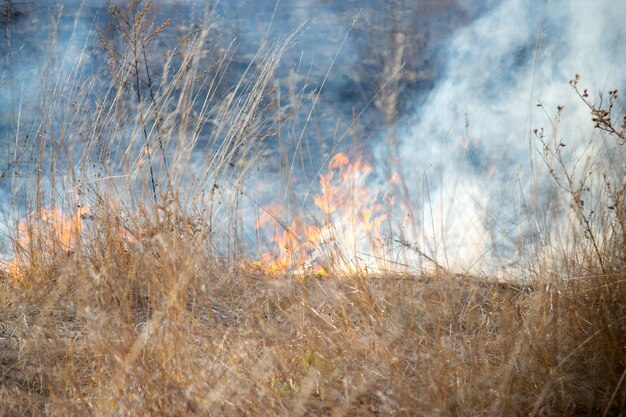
143,305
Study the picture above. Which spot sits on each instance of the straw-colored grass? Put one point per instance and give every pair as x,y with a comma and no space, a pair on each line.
145,304
165,331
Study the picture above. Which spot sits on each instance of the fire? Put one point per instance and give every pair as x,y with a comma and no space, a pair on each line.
341,234
348,218
42,232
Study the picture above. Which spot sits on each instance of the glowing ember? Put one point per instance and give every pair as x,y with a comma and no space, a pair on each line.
345,234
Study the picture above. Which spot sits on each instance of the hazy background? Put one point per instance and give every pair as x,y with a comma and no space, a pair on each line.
447,88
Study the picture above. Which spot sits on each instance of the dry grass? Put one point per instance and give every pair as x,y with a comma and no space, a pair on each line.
164,331
150,310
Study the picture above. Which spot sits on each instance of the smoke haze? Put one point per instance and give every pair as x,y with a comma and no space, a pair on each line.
472,137
468,81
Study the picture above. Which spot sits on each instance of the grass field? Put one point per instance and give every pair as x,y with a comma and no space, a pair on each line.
134,287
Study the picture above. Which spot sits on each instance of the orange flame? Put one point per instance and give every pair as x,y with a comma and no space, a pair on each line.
42,231
351,220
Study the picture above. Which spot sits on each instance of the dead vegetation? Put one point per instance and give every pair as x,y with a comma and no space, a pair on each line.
143,303
165,331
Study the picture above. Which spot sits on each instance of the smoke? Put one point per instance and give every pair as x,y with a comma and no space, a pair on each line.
475,74
472,136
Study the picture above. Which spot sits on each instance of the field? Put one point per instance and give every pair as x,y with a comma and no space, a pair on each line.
188,232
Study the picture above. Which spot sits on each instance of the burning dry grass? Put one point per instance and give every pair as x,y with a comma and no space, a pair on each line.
348,234
158,329
142,305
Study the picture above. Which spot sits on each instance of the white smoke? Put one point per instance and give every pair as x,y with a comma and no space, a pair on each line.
472,137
